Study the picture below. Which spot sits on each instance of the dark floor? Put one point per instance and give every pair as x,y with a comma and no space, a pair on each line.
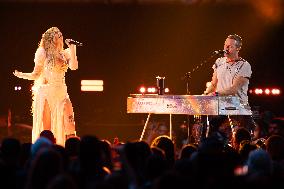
20,131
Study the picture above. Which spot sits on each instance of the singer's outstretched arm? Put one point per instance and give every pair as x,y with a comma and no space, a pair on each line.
39,62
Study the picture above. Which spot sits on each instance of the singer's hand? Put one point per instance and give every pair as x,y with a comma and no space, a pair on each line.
67,41
17,73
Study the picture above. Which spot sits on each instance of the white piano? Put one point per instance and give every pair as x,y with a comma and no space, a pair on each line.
186,104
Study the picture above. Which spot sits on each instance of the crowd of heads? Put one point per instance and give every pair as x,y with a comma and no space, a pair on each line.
88,162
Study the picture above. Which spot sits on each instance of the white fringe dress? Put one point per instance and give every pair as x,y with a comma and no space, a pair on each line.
50,87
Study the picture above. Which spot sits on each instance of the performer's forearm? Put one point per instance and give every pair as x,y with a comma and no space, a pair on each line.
209,90
73,62
28,76
211,86
229,91
233,90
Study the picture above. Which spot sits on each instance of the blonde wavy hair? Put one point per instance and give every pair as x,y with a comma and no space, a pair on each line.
49,44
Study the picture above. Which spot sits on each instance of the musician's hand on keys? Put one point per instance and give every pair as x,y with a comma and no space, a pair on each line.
215,93
206,93
212,94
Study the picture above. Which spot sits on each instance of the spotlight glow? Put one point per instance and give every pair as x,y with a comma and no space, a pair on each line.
258,91
17,88
275,91
142,89
267,91
151,89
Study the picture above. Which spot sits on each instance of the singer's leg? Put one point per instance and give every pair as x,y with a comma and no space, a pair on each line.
46,118
68,118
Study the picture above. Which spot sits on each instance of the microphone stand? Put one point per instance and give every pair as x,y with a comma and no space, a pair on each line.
187,77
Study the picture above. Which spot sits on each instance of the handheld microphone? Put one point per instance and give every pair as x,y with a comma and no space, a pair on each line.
73,42
220,52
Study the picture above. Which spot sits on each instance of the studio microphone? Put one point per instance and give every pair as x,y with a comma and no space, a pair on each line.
220,52
73,42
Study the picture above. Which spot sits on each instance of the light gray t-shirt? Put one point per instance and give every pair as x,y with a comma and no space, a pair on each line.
226,73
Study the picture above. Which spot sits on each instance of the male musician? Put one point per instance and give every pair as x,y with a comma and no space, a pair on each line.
231,72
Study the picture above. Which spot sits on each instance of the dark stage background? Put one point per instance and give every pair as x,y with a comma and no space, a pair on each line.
129,44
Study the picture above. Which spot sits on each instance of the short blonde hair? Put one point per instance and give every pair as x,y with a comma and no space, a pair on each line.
237,38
